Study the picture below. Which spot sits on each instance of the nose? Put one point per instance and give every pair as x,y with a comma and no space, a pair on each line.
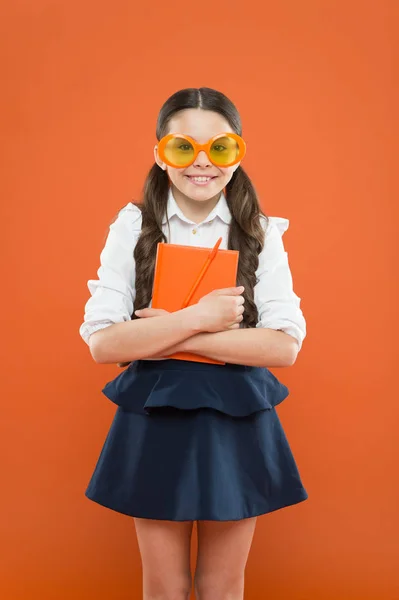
202,161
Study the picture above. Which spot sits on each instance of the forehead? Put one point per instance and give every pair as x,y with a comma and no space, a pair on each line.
199,124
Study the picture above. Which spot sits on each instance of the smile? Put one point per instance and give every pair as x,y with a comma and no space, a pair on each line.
199,180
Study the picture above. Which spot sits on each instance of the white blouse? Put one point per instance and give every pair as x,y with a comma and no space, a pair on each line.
113,293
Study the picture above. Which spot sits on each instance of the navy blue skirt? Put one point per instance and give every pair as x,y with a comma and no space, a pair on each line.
193,441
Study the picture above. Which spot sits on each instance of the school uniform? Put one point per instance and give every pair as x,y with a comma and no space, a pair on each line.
194,441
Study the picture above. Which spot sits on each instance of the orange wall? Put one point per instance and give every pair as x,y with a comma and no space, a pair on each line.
314,83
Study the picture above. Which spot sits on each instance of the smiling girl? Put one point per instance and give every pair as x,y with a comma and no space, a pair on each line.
195,442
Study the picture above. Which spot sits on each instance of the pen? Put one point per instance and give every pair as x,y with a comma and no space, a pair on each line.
202,273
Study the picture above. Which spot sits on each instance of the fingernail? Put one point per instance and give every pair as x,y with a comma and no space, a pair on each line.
137,312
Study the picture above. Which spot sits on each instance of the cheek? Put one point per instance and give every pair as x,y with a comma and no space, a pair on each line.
174,174
227,174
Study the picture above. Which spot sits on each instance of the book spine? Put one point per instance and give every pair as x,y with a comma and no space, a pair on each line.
157,269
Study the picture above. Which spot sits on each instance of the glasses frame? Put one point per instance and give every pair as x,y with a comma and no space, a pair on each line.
201,148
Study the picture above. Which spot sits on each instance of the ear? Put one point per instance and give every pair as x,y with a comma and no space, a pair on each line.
158,160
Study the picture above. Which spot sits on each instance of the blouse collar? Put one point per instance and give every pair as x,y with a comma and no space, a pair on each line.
221,210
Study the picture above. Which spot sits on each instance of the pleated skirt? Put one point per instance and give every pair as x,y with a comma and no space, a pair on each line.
194,441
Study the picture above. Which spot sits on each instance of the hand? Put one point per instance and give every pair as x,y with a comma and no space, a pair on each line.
221,310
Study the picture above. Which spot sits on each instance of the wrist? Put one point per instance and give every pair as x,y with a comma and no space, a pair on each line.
191,319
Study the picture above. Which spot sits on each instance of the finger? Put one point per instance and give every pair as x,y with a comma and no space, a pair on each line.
150,312
240,300
232,291
239,319
234,326
144,312
158,312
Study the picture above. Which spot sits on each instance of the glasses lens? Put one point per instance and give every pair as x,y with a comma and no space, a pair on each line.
179,151
224,151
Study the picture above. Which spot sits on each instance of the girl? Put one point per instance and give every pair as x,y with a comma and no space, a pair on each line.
194,441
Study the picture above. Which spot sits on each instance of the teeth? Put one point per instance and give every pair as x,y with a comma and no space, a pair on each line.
201,179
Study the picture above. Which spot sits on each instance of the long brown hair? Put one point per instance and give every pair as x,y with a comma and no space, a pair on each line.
246,233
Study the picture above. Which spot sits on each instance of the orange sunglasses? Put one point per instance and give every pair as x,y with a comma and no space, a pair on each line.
223,150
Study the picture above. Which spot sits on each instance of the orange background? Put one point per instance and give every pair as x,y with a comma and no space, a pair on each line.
82,86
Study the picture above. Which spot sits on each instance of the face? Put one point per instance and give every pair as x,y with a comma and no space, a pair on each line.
202,180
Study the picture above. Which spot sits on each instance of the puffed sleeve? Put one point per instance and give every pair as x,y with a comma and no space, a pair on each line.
113,293
278,305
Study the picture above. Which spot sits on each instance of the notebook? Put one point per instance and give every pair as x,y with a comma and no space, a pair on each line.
176,270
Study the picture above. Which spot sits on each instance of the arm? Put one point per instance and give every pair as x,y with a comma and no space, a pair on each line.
278,305
142,338
219,311
252,347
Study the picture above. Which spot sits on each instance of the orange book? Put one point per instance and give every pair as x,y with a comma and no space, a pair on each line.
191,272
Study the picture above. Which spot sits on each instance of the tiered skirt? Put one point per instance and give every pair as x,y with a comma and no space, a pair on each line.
194,441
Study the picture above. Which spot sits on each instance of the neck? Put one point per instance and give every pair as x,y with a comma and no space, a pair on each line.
194,210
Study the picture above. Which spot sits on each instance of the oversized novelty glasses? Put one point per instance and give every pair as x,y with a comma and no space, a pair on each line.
180,151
